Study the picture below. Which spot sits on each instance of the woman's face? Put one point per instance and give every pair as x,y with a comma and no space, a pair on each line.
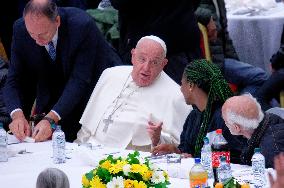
187,91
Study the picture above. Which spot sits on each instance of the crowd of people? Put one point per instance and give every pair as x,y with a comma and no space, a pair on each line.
61,66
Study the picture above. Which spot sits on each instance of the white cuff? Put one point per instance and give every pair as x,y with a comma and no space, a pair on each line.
16,110
59,117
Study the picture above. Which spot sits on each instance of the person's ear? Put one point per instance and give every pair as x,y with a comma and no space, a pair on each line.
165,61
132,56
237,128
58,21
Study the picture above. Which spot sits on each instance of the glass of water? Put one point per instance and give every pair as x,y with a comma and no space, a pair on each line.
173,164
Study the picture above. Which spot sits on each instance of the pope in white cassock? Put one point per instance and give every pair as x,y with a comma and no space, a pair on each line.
129,99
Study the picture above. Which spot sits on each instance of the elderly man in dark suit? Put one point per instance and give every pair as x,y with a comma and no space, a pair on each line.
57,57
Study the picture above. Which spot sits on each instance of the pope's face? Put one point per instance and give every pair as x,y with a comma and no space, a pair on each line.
148,62
40,28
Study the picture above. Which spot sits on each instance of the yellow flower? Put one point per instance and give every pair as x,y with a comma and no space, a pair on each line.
96,183
147,175
137,168
116,168
141,184
85,181
106,164
128,183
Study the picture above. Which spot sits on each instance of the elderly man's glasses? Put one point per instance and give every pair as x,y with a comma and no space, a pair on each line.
152,63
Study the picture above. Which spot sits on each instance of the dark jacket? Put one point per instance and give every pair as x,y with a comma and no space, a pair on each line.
191,129
269,137
223,47
65,86
4,116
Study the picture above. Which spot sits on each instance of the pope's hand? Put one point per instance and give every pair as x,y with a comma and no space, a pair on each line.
154,131
20,126
165,149
42,131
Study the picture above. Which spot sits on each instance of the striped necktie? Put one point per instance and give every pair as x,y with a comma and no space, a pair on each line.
51,51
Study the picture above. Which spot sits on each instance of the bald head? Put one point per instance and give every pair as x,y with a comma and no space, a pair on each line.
243,110
242,105
41,8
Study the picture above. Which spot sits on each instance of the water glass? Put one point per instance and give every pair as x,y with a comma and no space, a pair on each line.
173,164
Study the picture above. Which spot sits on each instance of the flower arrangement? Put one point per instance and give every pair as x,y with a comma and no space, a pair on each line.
132,172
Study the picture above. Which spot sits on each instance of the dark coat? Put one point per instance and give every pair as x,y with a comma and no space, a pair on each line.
191,129
4,116
66,85
223,47
269,137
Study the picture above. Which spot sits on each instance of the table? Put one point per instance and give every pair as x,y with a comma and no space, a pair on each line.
257,38
23,169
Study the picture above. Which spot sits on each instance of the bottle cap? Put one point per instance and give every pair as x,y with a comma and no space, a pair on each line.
206,140
197,160
219,131
256,150
222,158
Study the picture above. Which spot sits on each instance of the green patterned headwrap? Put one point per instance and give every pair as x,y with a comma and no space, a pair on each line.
208,77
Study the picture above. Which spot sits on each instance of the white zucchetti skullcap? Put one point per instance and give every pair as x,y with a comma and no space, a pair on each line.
157,39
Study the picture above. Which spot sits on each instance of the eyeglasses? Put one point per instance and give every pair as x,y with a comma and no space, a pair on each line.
152,63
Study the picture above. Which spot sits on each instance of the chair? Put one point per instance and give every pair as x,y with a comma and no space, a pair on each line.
204,42
282,99
3,52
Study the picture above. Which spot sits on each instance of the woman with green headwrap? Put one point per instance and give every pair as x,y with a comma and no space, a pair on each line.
203,87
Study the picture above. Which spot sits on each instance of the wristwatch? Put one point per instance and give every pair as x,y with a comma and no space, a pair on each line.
51,122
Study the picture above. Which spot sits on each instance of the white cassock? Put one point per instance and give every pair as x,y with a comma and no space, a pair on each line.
131,112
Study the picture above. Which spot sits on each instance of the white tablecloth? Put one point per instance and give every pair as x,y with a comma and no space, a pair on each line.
257,37
22,170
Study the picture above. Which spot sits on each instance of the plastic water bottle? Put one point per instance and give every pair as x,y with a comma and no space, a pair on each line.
224,170
206,158
219,148
258,169
58,144
3,144
198,175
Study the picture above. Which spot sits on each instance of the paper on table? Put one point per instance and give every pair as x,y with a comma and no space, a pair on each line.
13,140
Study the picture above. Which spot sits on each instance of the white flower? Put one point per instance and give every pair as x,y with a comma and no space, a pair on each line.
153,166
126,169
158,177
116,182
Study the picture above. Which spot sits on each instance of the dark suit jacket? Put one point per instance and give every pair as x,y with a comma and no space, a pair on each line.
65,85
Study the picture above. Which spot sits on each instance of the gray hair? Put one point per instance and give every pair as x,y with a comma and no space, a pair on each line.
156,39
52,178
244,122
48,9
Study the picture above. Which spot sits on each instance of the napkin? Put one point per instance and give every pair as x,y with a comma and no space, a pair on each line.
13,140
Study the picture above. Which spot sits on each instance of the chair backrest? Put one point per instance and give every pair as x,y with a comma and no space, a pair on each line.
3,52
204,42
282,99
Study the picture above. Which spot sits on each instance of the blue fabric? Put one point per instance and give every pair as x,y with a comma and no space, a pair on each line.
247,77
82,54
51,51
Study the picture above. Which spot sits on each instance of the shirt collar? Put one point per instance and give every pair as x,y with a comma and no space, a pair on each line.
54,40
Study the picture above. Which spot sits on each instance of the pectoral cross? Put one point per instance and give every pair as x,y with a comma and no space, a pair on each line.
107,122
